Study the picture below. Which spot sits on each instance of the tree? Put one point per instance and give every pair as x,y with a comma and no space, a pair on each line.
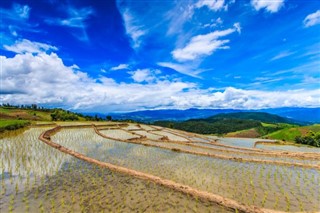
109,118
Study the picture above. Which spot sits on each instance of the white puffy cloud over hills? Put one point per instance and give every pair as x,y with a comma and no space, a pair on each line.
41,77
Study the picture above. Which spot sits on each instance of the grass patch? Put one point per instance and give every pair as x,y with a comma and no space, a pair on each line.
289,134
12,124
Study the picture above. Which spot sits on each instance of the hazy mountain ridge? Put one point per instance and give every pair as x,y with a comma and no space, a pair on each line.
304,115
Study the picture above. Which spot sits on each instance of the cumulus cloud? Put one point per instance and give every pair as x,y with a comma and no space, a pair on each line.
43,78
271,6
120,67
24,46
202,45
144,75
312,19
214,5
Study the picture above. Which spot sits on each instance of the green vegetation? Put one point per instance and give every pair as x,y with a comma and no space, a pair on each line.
312,139
211,126
35,113
257,116
12,124
288,134
62,115
250,125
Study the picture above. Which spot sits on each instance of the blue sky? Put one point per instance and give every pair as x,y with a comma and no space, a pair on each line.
105,56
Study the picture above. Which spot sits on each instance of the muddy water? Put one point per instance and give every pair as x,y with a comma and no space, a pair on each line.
269,186
38,178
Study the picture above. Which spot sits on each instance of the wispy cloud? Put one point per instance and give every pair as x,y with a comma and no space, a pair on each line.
282,55
202,45
312,19
120,67
214,23
17,12
76,18
271,6
178,16
26,46
133,29
182,68
214,5
16,19
237,27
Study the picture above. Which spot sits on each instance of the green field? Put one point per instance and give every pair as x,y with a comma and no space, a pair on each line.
289,134
12,124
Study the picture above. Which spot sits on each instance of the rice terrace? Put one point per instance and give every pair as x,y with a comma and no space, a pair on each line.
169,106
112,166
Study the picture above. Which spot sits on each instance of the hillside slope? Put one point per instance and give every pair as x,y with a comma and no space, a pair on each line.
289,134
257,116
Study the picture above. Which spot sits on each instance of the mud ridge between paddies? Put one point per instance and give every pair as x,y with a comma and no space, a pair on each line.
238,159
226,202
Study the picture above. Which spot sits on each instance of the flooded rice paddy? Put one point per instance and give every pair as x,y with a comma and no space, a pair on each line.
38,178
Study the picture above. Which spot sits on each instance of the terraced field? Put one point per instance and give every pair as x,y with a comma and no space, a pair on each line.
119,167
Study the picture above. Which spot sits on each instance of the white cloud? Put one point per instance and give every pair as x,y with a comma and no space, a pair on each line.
133,29
214,22
237,27
202,45
143,75
282,55
22,10
44,79
182,68
214,5
271,6
76,19
26,46
178,16
312,19
120,67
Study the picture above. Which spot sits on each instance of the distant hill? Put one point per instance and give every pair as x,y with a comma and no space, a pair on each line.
211,126
170,114
305,115
257,116
311,115
244,124
34,113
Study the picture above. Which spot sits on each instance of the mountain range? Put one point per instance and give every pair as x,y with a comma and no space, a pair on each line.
302,115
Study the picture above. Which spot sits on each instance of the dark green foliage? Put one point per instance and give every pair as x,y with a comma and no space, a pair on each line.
264,130
312,139
257,116
212,126
62,115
